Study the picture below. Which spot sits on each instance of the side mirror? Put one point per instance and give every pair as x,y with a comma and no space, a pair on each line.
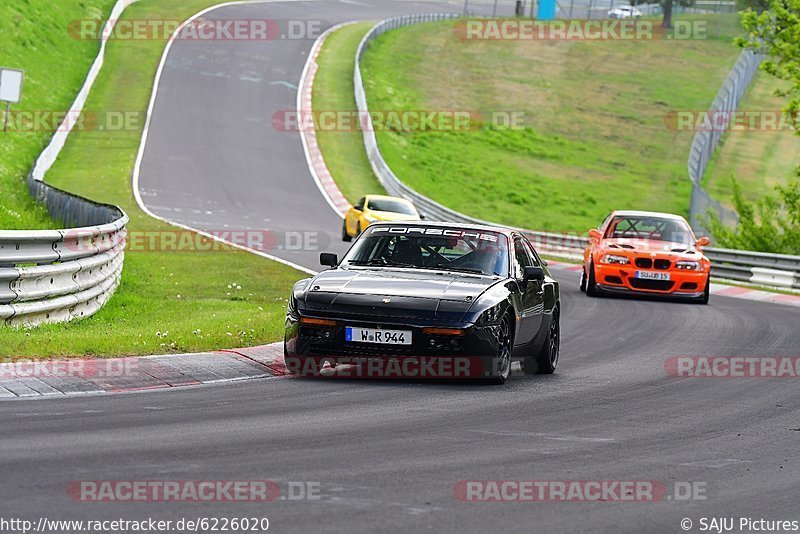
595,235
328,259
422,216
358,207
703,242
532,273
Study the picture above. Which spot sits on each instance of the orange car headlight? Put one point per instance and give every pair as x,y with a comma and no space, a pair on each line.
311,321
614,259
686,265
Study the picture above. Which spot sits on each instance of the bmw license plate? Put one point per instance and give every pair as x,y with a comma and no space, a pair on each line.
649,275
377,335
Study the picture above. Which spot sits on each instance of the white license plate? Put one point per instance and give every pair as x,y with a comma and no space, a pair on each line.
377,335
649,275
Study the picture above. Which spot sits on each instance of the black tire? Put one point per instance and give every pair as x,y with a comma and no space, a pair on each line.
345,235
501,367
546,361
358,228
591,284
706,293
583,279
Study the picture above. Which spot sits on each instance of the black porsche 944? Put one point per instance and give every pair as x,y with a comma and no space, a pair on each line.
427,299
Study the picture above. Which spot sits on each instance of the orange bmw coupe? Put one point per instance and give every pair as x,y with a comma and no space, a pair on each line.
647,253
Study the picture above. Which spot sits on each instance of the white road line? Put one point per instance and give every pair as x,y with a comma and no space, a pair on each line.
143,142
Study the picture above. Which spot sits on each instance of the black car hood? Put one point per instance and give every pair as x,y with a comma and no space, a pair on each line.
396,292
401,282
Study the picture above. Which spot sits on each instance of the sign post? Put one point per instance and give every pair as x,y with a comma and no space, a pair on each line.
10,90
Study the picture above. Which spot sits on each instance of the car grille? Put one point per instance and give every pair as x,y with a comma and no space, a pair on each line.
647,263
652,285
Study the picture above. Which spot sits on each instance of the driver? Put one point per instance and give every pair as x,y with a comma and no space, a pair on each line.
408,252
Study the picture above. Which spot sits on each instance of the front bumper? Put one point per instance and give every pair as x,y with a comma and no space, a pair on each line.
309,348
616,278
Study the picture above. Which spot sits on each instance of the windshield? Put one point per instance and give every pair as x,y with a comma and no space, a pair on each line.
449,249
394,206
654,228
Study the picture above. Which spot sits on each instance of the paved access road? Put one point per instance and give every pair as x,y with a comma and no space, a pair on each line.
388,455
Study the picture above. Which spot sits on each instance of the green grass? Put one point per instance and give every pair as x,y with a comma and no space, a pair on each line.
168,301
34,37
759,160
333,91
594,136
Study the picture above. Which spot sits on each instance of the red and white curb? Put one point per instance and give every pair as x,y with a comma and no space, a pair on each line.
717,289
316,163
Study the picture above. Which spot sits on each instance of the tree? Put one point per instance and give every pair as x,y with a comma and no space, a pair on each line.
771,224
759,6
667,6
776,32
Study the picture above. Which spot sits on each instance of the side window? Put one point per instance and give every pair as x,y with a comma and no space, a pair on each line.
360,205
604,227
521,258
532,253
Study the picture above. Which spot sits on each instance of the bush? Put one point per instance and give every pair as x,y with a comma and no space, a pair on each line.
770,224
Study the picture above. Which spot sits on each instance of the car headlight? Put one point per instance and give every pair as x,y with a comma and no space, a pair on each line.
613,259
489,316
688,265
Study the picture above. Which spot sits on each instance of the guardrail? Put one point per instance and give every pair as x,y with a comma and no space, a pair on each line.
705,142
49,276
775,270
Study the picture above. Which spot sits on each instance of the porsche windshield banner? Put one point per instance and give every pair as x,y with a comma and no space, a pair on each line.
432,231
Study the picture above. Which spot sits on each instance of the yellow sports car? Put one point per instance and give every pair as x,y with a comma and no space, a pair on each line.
372,208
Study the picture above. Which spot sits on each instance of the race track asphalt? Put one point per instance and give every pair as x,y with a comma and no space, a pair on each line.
387,455
215,159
